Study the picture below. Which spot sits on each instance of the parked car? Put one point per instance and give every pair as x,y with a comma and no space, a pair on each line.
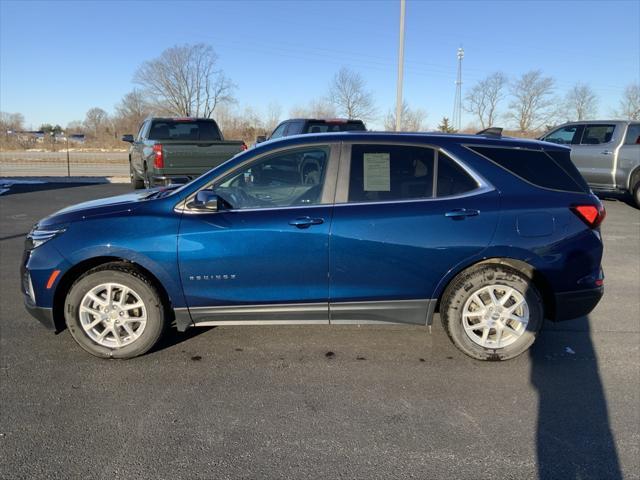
298,126
176,150
495,234
606,152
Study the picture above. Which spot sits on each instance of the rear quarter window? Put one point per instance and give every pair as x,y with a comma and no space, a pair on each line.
554,171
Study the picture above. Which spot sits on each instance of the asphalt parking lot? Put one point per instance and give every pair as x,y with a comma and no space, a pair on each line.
319,401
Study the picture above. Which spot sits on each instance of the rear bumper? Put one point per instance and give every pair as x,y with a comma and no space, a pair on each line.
570,305
165,180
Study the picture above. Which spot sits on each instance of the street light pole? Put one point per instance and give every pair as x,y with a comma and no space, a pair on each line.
68,165
400,68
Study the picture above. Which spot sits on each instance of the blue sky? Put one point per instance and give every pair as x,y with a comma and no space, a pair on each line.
58,59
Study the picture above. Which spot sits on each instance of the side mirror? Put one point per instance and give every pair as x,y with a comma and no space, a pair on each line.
261,138
206,200
127,138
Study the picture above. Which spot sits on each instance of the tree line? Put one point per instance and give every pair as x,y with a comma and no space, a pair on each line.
186,80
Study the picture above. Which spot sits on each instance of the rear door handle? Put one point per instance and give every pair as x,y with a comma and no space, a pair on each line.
305,222
462,212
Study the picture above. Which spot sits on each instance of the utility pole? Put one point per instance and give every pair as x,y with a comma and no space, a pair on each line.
457,102
400,68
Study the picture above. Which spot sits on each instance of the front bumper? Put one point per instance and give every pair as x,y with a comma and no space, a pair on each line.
570,305
42,314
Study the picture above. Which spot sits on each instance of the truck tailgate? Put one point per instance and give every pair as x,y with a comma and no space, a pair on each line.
190,158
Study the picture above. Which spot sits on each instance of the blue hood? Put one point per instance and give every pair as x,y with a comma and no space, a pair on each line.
104,206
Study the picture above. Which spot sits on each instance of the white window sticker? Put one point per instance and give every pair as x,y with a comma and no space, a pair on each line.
377,173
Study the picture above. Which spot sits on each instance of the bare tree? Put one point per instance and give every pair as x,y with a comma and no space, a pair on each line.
96,120
75,126
241,126
11,122
532,103
412,120
319,108
483,99
348,94
272,119
185,81
581,102
131,111
630,102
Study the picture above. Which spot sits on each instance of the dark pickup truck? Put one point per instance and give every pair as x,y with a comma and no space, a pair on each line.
175,150
299,126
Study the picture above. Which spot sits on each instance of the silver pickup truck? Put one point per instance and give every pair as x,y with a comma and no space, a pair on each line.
606,152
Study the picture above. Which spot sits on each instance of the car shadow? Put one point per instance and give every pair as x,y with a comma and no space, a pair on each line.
573,437
173,337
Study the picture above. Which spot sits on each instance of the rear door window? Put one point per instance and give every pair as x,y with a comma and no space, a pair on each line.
187,130
633,134
597,134
565,135
383,173
536,167
452,178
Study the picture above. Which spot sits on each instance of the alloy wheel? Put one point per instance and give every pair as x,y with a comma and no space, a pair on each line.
495,316
113,315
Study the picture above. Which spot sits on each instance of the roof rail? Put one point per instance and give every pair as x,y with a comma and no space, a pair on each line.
491,132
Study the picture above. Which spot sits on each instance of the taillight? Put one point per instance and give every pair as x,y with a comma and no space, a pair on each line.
592,215
158,158
243,147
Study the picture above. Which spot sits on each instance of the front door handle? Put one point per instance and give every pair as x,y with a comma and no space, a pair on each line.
462,212
305,222
606,152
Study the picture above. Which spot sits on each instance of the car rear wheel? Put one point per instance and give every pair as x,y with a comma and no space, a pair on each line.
114,312
146,180
492,312
136,183
636,193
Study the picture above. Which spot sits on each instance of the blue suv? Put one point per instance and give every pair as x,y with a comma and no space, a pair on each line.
495,234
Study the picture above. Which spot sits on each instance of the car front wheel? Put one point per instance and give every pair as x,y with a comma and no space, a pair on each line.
492,312
113,311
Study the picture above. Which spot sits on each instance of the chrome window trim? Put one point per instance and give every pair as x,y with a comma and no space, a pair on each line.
328,189
342,188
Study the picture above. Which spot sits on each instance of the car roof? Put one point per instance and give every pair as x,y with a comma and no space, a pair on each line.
596,122
325,119
408,137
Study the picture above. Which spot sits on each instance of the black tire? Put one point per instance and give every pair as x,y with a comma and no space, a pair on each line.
146,179
136,182
469,282
636,193
127,276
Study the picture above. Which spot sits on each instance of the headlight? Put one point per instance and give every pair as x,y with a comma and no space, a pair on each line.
38,236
